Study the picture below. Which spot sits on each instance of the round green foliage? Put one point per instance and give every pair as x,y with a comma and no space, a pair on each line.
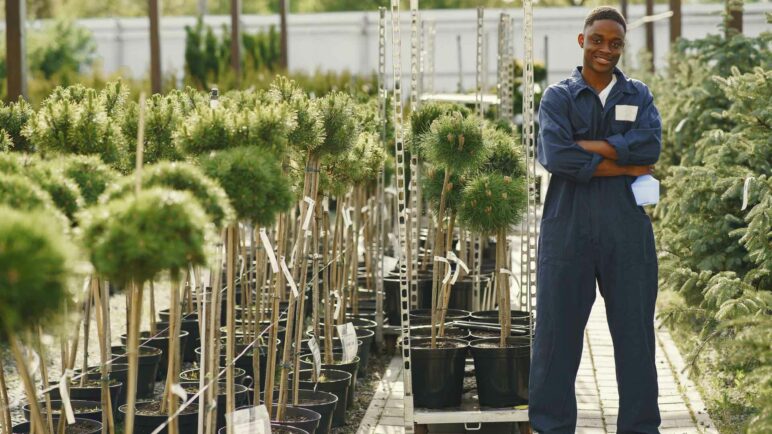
63,191
431,189
253,181
12,163
340,128
266,126
421,120
455,142
6,143
18,192
162,118
243,100
35,263
308,133
206,129
492,202
504,155
91,175
77,126
183,177
136,237
13,117
361,164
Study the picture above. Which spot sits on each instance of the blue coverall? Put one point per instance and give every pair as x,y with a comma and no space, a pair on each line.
592,230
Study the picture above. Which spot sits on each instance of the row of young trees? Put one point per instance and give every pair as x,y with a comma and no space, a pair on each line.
713,222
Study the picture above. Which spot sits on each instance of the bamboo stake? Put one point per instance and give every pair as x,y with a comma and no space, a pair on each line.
135,313
326,280
277,291
44,378
108,425
36,420
5,410
230,246
86,329
152,324
438,250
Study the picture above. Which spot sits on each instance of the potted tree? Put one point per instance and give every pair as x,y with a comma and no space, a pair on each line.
492,202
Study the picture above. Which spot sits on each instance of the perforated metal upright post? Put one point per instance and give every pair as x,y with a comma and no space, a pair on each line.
399,149
529,235
415,189
504,86
429,79
380,223
478,64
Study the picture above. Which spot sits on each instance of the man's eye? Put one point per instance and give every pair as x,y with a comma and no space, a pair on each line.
617,45
597,41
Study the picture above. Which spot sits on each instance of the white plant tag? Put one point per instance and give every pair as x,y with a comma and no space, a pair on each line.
646,190
346,217
348,337
309,212
269,250
395,245
326,204
391,191
179,391
252,420
64,393
626,112
459,265
447,271
680,125
317,355
289,278
746,192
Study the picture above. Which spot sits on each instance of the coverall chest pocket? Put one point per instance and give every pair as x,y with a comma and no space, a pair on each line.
620,127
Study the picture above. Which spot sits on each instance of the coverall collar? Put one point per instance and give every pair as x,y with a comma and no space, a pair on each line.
576,82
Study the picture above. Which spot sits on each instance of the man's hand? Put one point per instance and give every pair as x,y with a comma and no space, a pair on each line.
611,168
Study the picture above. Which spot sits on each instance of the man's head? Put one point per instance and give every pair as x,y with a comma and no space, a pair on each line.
603,39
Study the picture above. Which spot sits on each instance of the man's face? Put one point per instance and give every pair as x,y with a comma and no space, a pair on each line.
602,42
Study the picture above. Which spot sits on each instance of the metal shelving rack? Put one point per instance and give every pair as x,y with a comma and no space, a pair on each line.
469,411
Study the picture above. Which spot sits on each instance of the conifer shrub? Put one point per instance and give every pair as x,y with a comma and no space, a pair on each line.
455,142
90,174
133,238
492,202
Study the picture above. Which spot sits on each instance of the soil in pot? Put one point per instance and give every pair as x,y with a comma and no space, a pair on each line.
321,402
286,429
118,372
298,417
519,317
83,409
332,381
307,362
424,316
161,341
81,426
425,331
502,373
92,391
149,358
148,417
239,375
438,374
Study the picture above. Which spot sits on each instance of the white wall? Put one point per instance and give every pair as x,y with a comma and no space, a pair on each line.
337,41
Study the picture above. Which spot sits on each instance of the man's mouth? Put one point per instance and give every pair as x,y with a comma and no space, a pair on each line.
603,60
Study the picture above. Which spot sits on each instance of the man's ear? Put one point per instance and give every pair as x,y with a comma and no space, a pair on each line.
580,39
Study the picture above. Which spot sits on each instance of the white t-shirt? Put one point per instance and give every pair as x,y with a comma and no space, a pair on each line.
603,95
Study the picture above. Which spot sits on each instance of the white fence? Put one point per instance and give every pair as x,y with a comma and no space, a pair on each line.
349,41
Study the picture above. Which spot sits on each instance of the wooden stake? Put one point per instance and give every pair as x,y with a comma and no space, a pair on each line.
135,313
36,420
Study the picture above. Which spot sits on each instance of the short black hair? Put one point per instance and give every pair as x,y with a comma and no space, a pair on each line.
605,13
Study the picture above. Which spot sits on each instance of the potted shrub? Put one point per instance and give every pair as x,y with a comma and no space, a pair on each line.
491,204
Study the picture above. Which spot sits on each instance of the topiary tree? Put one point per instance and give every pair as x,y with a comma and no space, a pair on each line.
134,238
67,124
182,177
162,118
454,144
19,193
36,261
504,156
64,192
13,117
309,131
90,174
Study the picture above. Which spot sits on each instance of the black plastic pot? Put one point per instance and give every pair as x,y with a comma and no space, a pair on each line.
118,372
391,300
320,402
245,362
336,382
425,331
189,324
92,392
83,409
147,423
519,317
149,359
307,362
438,374
241,393
502,373
83,426
367,336
337,347
239,376
424,316
298,417
161,341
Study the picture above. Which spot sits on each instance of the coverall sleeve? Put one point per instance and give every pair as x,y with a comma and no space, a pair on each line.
558,151
642,144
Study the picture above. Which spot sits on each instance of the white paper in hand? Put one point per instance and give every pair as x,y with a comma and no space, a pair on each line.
646,190
348,337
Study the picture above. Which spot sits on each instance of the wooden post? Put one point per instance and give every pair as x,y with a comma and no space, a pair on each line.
675,20
623,7
15,18
650,33
284,57
734,22
155,46
236,39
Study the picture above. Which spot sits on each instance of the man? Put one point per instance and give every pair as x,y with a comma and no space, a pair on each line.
599,130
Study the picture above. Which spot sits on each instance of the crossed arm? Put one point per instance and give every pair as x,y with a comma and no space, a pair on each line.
608,166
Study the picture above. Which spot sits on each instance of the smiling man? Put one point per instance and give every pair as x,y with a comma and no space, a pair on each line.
599,130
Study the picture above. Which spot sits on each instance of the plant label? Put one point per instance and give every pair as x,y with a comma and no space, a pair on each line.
289,278
309,213
346,217
337,304
269,250
746,192
447,270
178,390
64,392
314,347
252,420
348,337
459,265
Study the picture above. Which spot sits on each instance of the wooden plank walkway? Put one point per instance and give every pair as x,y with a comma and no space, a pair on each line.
681,406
